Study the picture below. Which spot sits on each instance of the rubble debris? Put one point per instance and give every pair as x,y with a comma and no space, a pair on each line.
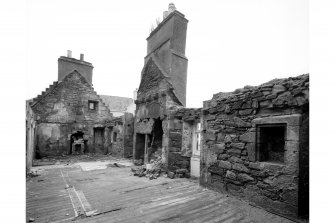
153,170
31,174
138,162
170,175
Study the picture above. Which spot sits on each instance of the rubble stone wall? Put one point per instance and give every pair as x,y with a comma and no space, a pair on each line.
229,157
180,150
30,136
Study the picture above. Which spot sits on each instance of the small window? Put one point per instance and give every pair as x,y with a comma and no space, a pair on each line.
271,142
92,105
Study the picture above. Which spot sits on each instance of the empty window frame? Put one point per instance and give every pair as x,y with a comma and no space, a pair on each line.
271,142
92,105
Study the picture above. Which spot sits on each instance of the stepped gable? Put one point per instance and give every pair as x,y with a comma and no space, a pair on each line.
116,103
49,89
152,74
57,84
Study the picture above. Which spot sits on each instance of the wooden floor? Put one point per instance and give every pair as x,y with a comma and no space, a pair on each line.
83,193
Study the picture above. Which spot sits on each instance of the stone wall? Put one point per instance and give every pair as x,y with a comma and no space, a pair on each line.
180,150
30,136
230,157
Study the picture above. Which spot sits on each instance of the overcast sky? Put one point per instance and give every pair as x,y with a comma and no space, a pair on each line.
229,44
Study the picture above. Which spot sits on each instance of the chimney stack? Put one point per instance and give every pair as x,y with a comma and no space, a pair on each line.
82,57
69,53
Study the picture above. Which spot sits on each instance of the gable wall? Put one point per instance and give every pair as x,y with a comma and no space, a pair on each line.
65,111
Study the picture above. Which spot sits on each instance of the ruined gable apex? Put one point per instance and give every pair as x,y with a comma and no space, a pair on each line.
151,77
74,74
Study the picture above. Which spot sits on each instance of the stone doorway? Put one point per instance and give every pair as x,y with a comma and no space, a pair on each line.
99,139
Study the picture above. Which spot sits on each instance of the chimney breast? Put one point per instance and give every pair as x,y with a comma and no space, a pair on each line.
69,53
82,57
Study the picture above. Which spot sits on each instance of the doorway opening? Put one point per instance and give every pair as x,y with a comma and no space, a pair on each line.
99,139
155,140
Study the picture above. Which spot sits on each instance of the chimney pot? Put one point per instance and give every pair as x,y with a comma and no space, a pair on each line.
69,53
172,7
165,14
82,57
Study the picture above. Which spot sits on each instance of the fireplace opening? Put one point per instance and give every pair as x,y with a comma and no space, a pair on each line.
77,144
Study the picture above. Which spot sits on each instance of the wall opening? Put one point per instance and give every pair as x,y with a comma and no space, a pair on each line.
139,147
155,141
271,142
99,139
77,143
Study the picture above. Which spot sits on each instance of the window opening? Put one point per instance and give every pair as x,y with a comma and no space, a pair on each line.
271,142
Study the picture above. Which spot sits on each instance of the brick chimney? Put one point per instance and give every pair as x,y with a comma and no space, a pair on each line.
67,65
167,43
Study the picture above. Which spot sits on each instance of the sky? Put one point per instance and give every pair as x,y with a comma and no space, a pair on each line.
229,44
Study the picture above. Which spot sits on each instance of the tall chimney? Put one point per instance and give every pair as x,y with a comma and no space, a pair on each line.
69,53
167,44
82,57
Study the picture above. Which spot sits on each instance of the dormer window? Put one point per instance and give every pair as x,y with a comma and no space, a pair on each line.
92,105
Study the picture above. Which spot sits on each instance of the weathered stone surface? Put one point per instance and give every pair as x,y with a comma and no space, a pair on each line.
255,166
171,175
209,136
221,137
254,103
227,139
244,177
240,123
234,159
278,89
248,137
240,167
174,149
251,149
234,151
264,104
219,148
239,145
216,170
245,112
223,156
224,164
230,175
247,104
181,171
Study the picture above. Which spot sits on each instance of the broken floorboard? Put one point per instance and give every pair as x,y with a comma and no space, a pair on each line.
75,193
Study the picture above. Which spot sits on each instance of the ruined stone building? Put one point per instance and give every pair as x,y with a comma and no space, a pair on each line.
252,143
71,118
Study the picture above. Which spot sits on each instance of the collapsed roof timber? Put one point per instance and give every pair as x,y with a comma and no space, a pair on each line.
252,143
